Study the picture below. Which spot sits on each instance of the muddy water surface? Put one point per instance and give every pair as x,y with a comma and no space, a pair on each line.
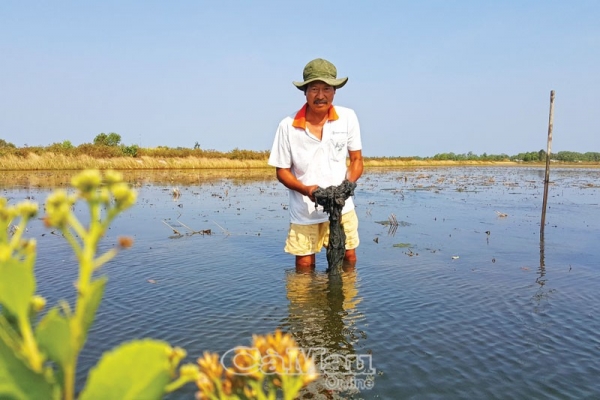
454,295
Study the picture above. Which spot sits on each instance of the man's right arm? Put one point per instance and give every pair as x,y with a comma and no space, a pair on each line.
285,176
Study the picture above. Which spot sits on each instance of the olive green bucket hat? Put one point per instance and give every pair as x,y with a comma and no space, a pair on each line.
320,70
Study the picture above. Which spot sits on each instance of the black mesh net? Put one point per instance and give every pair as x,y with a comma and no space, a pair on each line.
333,199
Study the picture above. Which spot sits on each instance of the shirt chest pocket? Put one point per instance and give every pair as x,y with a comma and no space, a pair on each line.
338,146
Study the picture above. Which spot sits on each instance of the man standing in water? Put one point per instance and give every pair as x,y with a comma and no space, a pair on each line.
309,151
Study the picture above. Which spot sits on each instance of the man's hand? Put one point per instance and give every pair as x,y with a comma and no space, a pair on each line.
309,192
285,176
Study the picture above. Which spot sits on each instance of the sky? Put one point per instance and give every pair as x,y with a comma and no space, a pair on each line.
425,77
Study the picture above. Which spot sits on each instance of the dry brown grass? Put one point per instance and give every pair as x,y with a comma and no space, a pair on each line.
51,161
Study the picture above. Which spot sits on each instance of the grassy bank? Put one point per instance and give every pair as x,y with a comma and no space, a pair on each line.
49,161
107,152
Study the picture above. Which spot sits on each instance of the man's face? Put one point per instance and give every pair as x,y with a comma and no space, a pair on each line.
319,95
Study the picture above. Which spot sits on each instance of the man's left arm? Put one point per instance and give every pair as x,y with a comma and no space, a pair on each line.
355,169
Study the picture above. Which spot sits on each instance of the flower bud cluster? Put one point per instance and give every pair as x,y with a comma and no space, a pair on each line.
94,188
58,208
124,196
175,355
38,303
270,358
87,182
27,209
24,210
6,213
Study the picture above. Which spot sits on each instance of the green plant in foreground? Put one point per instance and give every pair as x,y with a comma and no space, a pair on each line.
38,353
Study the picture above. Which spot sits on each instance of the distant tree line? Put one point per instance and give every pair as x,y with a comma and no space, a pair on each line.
470,156
571,156
532,156
109,145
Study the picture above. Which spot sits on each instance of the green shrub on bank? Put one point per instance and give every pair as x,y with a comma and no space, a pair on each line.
4,143
131,151
237,154
112,139
61,148
98,151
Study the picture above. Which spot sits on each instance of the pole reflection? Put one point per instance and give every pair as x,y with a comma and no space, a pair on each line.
542,293
324,319
541,279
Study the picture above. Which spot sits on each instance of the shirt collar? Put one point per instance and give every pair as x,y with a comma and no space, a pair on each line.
300,118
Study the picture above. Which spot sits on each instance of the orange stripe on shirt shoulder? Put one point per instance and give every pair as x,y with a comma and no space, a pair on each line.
332,114
300,118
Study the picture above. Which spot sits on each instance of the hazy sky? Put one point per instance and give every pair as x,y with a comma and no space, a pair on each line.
425,77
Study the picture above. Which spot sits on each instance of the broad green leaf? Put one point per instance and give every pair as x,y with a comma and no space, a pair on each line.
135,370
90,306
10,320
17,286
17,381
53,336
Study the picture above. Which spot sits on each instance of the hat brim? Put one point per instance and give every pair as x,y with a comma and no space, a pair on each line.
336,83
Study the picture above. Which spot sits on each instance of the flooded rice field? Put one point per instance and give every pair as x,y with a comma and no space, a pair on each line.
454,294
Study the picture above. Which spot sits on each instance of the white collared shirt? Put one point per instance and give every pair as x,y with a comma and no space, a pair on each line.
313,161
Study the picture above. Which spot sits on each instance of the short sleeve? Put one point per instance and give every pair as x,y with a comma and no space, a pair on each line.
354,139
281,154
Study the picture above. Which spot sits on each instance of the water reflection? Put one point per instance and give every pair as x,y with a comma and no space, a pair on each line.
541,280
185,177
542,295
323,318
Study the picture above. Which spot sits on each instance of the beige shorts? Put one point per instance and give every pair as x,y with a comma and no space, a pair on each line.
304,240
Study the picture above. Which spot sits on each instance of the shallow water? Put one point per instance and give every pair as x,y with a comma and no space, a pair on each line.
460,300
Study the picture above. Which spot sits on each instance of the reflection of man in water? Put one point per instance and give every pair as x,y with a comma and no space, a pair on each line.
323,319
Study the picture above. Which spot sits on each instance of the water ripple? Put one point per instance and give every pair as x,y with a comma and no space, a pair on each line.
470,309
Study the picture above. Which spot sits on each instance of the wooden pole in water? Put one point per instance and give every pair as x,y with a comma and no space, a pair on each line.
547,177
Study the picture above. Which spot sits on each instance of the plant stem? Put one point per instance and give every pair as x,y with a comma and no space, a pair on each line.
176,384
69,371
76,225
14,241
30,345
85,254
104,258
